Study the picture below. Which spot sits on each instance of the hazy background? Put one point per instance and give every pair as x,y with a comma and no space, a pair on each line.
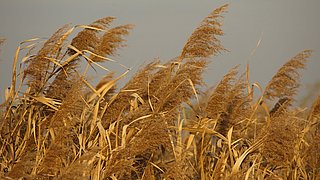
162,27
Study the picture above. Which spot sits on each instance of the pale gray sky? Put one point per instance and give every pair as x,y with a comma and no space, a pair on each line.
162,27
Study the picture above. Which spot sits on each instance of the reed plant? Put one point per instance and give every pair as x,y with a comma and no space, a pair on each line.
55,124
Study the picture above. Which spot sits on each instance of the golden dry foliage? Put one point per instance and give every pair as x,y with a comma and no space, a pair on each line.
284,130
138,84
312,154
158,125
63,125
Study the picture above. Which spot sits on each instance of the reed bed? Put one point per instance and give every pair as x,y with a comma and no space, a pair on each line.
56,125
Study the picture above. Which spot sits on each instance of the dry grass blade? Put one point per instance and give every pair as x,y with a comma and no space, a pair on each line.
48,101
14,73
254,147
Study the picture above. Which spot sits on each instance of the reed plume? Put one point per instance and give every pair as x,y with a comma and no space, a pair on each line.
39,66
315,110
283,128
63,125
286,81
62,82
138,84
89,39
312,155
111,40
216,103
204,42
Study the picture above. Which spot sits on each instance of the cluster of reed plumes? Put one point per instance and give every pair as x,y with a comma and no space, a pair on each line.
157,126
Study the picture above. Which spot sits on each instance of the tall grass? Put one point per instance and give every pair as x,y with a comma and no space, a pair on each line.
157,126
